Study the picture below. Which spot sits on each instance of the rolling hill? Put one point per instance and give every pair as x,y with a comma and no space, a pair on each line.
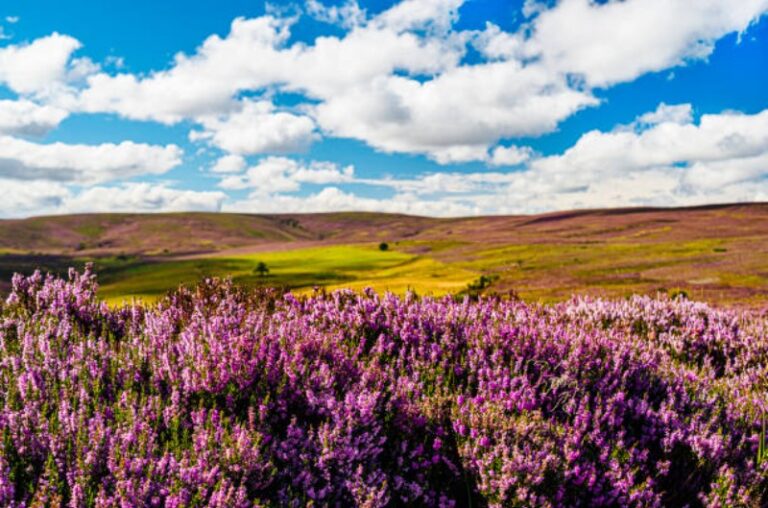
716,253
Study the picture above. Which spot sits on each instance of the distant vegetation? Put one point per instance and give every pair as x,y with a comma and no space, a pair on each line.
718,254
261,269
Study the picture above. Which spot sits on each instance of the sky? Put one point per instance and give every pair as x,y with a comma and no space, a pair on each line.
425,107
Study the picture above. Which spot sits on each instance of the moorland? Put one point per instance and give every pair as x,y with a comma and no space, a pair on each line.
713,253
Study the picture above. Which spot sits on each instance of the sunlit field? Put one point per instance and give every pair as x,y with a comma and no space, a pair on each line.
301,270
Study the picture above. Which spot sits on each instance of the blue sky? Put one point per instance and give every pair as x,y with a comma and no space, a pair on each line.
431,107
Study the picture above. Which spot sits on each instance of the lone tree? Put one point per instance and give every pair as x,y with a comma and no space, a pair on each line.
261,269
383,246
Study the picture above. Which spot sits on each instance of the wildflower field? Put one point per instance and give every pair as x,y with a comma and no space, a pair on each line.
219,396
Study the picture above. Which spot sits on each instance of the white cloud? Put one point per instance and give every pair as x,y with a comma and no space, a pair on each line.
680,114
533,7
257,128
451,117
621,40
510,155
229,164
397,82
450,111
665,161
24,199
24,117
445,183
333,199
438,15
669,160
253,56
38,67
80,69
280,174
722,137
495,44
455,154
347,15
83,164
201,84
415,96
143,197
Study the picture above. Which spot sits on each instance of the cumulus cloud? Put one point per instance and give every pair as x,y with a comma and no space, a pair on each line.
615,41
229,164
254,56
143,197
347,15
437,15
679,113
24,117
722,137
416,96
83,164
510,155
39,66
496,44
665,159
668,159
449,113
399,82
257,128
23,199
280,174
200,84
334,199
449,183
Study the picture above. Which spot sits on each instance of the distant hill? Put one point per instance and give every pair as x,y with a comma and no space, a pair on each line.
185,233
717,252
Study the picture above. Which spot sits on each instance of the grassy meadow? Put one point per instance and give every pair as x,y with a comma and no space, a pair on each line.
336,266
536,272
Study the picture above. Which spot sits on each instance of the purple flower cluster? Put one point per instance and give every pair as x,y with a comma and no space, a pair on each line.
221,397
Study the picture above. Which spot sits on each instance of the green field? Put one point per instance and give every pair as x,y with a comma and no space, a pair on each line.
352,266
540,272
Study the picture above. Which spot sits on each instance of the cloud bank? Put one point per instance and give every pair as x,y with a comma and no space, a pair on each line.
403,81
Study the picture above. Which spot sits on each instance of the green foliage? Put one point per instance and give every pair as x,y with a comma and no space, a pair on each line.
482,282
762,451
383,246
261,269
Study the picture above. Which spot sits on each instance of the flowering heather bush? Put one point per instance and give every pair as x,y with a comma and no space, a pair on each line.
225,398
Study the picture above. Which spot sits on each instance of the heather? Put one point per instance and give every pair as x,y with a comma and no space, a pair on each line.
219,396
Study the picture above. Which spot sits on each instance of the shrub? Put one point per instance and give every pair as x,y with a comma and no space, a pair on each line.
261,269
220,396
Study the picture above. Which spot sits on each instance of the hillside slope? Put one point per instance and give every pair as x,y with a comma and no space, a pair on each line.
718,253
